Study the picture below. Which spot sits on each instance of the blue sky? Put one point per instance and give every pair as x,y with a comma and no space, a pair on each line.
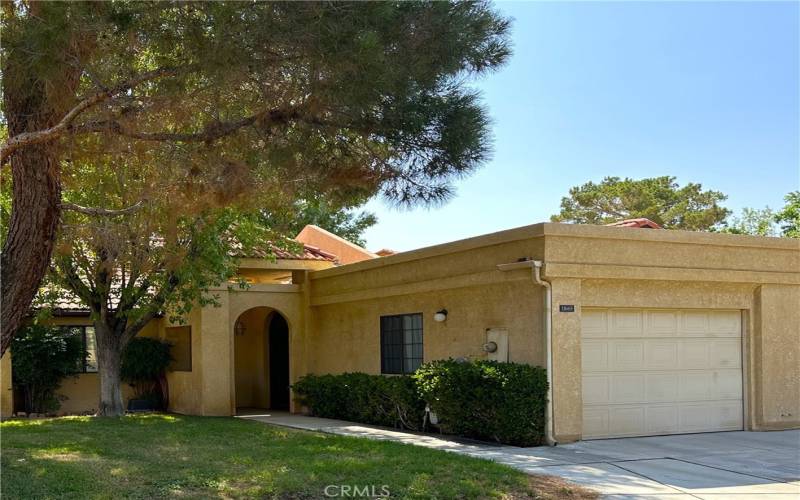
706,91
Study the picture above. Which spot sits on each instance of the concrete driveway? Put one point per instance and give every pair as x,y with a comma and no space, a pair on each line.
720,465
735,465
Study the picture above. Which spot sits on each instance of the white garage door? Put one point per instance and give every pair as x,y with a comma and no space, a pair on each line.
660,371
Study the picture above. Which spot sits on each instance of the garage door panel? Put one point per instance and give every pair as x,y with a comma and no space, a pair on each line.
693,418
726,384
627,355
694,354
595,422
661,354
594,356
726,354
662,419
662,387
594,323
596,389
656,371
725,322
627,388
626,323
695,386
729,415
694,322
661,323
627,421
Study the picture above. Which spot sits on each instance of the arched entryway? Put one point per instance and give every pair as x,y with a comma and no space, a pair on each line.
261,360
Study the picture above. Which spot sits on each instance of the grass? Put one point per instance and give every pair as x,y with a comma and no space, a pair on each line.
171,456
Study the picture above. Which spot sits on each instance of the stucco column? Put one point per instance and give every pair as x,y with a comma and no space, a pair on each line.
775,349
300,336
567,402
216,334
6,390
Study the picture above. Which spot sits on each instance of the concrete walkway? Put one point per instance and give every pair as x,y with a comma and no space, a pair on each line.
722,465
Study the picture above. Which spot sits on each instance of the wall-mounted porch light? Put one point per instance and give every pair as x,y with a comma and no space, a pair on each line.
440,315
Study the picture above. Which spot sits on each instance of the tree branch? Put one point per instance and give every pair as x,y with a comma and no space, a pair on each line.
211,132
154,308
102,212
28,138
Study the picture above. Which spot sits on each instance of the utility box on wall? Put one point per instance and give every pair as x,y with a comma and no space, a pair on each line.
496,346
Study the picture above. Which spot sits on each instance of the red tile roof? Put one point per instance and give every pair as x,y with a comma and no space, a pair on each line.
66,303
640,223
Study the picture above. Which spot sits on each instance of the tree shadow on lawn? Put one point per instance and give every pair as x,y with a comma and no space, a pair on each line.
167,456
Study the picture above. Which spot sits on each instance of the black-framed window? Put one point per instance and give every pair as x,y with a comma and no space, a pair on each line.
401,343
86,334
180,339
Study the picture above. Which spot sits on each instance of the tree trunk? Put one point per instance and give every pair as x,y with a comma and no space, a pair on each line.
32,230
33,103
109,362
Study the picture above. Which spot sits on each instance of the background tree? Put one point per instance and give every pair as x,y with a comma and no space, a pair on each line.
753,221
161,258
339,99
43,357
789,216
344,221
659,199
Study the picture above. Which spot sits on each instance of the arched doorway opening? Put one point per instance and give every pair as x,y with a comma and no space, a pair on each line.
261,360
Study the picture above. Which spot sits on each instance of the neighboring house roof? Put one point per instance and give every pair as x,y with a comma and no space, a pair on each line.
385,252
640,223
308,252
68,304
347,252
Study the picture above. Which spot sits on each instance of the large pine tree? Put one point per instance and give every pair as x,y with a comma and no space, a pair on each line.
343,99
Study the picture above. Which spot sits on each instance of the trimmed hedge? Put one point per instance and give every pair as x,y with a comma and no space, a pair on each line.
358,397
487,400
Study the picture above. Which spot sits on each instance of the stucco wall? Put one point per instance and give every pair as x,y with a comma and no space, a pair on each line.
346,336
776,357
461,277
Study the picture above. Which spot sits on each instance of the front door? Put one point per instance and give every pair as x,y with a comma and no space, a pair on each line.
278,363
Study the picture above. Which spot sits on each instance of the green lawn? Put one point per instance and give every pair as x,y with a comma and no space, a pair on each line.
170,456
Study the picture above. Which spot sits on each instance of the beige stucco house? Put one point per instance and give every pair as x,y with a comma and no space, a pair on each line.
645,331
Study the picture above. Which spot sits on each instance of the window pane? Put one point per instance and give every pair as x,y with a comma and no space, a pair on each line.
180,339
401,343
91,350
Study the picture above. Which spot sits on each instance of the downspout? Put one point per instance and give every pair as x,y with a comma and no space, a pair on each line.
536,268
548,335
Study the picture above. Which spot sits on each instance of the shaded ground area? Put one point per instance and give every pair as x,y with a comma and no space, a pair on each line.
170,456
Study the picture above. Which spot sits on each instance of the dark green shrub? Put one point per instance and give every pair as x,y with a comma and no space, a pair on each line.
144,363
504,402
358,397
41,357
